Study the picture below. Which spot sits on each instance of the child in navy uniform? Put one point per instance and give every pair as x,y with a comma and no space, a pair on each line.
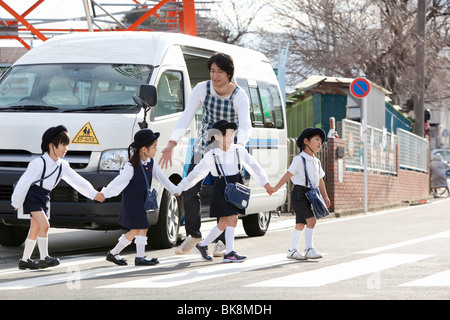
33,193
230,156
310,141
132,182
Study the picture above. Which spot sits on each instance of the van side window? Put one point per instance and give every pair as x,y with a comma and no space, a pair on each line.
170,93
266,108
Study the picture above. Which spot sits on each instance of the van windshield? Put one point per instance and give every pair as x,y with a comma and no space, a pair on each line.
73,87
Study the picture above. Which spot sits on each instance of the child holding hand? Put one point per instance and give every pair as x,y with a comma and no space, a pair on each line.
310,141
133,183
32,192
229,155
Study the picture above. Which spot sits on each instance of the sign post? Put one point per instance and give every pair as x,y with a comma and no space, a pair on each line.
360,88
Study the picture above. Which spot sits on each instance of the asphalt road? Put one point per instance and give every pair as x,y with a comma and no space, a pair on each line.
401,253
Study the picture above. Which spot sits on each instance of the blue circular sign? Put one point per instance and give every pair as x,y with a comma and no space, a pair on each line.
360,87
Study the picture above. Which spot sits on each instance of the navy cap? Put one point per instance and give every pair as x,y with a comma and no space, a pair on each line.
49,134
308,132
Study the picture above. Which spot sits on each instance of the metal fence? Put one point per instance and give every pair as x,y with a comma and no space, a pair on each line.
382,153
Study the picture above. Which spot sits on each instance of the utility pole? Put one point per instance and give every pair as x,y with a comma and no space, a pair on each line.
420,70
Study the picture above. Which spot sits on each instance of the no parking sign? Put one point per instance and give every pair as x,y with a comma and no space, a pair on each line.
360,87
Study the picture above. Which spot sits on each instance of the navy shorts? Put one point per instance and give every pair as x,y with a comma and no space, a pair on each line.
301,204
37,199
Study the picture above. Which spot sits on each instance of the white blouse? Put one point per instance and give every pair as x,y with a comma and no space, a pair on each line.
315,171
229,161
240,104
116,186
34,172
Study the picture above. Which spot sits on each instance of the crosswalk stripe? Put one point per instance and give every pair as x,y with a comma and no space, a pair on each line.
441,279
343,271
72,273
201,274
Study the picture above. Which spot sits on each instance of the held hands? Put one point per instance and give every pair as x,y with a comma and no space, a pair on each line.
269,189
99,197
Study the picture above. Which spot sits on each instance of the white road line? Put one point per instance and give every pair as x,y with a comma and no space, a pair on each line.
441,279
203,273
343,271
406,243
72,273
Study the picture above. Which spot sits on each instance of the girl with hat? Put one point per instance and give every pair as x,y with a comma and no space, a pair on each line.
132,182
230,156
32,192
310,141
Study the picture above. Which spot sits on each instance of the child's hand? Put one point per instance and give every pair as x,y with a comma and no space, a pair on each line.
99,197
269,188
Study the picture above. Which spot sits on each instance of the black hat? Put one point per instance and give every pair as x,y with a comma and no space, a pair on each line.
49,134
144,137
224,125
308,132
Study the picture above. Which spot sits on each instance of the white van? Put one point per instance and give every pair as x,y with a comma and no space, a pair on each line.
87,82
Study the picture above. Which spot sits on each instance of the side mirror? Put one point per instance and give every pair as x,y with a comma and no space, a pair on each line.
147,96
146,100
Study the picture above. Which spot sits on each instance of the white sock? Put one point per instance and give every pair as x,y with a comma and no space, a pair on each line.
140,242
229,239
295,240
309,237
212,235
43,247
123,242
28,250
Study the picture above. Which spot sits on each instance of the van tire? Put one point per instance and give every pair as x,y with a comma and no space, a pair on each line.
164,234
256,225
12,236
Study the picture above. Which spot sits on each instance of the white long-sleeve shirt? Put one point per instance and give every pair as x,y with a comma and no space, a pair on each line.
116,186
315,171
196,99
34,172
229,161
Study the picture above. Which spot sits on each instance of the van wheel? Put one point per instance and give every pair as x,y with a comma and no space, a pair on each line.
256,225
164,234
12,236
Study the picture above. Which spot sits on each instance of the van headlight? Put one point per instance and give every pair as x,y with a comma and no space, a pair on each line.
113,160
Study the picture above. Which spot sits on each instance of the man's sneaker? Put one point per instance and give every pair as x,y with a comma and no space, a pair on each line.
187,245
203,250
48,262
294,254
312,253
233,257
219,249
29,264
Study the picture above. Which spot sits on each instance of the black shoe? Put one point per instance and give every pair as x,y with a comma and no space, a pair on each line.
29,264
48,262
112,258
145,262
203,250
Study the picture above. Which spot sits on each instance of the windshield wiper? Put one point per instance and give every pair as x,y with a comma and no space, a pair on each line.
103,108
29,108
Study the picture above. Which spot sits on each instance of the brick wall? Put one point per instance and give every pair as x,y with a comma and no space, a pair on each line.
383,189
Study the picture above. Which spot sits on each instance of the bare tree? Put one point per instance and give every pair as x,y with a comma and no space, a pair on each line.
349,38
232,20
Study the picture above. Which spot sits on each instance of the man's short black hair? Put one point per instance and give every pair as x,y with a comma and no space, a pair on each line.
224,62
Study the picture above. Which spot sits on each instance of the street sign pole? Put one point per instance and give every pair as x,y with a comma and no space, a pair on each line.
364,120
360,88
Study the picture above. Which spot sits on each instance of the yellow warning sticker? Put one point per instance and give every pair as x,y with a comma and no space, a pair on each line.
86,135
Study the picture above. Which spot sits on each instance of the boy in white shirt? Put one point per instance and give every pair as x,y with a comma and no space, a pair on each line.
310,141
230,156
32,191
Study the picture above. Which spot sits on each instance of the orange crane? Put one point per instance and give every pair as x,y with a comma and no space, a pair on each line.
179,17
